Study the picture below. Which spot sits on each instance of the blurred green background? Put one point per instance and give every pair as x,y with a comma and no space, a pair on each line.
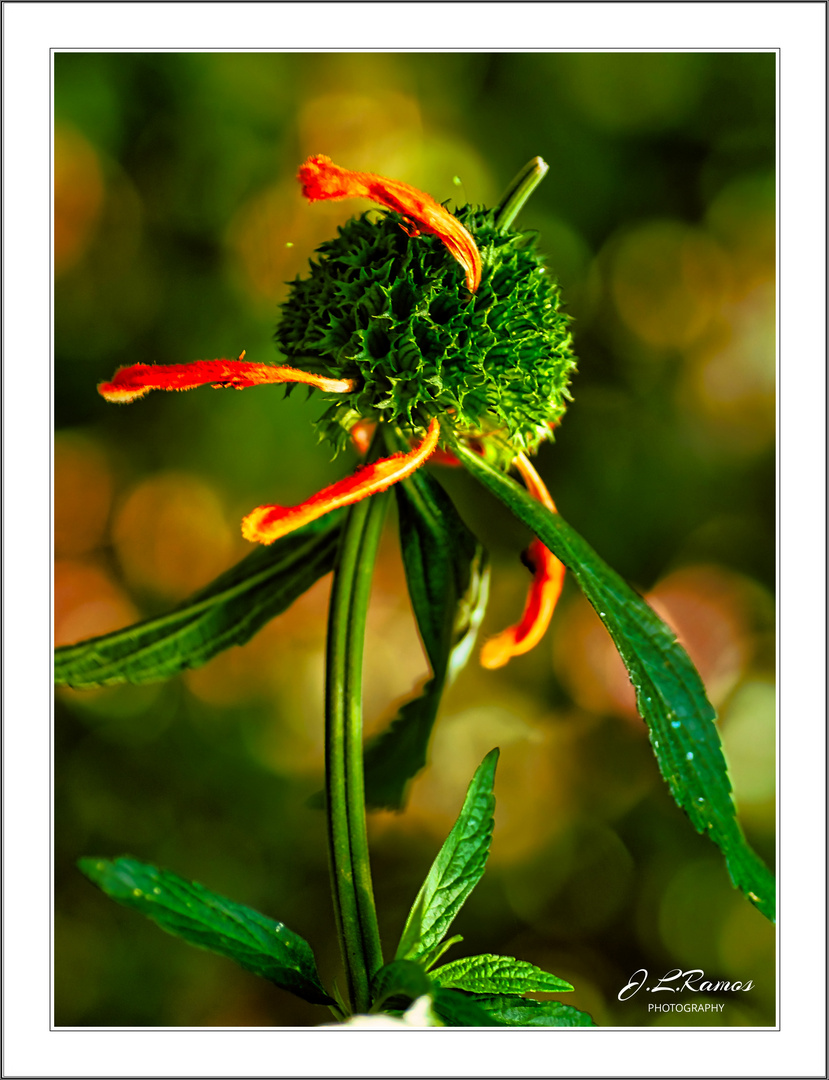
177,222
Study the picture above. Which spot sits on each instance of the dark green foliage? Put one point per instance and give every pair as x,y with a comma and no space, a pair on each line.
456,871
228,612
393,312
669,692
457,1009
525,1012
400,978
190,911
447,575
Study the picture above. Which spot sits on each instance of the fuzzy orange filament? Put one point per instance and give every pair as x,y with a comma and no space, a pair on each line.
268,523
322,179
548,579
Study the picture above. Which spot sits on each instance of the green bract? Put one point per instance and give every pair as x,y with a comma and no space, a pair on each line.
394,313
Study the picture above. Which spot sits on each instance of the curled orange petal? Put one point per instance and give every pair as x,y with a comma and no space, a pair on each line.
322,179
548,579
268,523
131,383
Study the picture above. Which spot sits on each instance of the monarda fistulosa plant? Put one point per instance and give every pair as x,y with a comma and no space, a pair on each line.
434,338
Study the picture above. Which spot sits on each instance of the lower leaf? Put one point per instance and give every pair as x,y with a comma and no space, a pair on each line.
203,918
498,974
525,1012
457,1009
400,978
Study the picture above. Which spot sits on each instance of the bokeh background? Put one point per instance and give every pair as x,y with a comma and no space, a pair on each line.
177,223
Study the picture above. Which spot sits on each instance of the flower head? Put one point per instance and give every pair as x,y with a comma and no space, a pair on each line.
396,337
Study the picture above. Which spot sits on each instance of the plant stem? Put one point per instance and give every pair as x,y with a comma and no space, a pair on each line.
345,798
519,190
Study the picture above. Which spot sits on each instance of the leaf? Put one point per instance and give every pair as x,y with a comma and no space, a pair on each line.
669,692
457,1009
227,612
457,869
498,975
524,1012
448,578
190,911
399,978
431,956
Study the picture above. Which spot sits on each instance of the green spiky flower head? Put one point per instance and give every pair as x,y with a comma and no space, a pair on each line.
392,312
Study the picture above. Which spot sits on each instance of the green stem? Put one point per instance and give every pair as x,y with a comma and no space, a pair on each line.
522,186
345,798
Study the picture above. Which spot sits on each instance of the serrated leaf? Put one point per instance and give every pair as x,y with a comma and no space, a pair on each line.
227,612
524,1012
457,1009
399,978
457,869
203,918
447,575
488,974
670,695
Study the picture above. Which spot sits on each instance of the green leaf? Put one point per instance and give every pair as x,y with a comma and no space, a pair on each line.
190,911
524,1012
457,869
669,692
431,956
487,974
400,978
448,577
227,612
457,1009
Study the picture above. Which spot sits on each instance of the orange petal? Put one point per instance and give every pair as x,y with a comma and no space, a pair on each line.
548,579
131,383
268,523
322,179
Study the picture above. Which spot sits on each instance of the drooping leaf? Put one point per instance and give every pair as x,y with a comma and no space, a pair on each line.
227,612
456,871
399,978
448,576
669,692
525,1012
457,1009
487,974
192,912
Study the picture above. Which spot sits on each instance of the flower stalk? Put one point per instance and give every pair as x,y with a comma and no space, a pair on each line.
352,889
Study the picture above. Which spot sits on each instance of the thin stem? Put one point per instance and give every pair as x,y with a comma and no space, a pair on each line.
522,186
345,798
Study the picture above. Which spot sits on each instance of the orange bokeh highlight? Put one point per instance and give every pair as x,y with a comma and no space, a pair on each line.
79,194
88,602
708,607
668,281
171,535
83,494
